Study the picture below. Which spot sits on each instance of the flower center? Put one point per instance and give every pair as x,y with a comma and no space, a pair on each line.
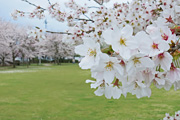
122,41
161,56
136,61
116,82
136,85
155,46
122,63
92,52
173,68
109,65
165,37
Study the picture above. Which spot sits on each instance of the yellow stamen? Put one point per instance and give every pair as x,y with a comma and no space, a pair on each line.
92,52
136,60
136,85
122,41
109,65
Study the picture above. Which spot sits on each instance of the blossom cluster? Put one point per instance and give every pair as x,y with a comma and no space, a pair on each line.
134,62
37,33
127,47
56,12
175,117
38,12
132,49
17,14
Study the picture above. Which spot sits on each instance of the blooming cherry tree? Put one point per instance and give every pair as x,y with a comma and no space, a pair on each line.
14,42
10,39
54,48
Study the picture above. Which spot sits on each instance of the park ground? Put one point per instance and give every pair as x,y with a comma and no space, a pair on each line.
60,93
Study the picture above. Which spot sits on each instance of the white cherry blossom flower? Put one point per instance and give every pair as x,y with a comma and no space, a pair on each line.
90,49
174,74
109,91
177,85
138,63
164,60
177,115
122,40
108,68
159,79
157,45
136,86
168,117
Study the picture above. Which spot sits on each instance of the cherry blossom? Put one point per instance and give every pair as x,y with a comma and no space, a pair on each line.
91,50
164,60
122,41
175,117
127,47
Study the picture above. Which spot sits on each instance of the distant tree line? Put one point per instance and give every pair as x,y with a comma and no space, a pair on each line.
17,47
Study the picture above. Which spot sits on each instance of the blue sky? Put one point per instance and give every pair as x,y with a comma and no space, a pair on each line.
8,6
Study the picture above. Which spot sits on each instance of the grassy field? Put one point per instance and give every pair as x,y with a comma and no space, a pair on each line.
60,93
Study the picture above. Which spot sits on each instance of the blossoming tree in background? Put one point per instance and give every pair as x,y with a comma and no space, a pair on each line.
127,47
53,47
14,42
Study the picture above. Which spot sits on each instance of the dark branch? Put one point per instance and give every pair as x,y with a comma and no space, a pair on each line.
88,19
173,49
33,4
56,32
93,7
59,32
65,32
49,2
99,2
87,16
84,19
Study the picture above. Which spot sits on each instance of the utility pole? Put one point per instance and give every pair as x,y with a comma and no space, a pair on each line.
40,56
45,22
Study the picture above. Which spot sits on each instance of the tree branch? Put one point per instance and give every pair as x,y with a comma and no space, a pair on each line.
173,49
60,32
84,19
49,2
99,2
55,32
87,17
93,7
65,32
33,4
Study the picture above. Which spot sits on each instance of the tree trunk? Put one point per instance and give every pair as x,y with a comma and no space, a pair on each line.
39,61
27,63
23,61
14,64
3,61
59,60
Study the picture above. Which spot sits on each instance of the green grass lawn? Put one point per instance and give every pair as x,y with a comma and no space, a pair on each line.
60,93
